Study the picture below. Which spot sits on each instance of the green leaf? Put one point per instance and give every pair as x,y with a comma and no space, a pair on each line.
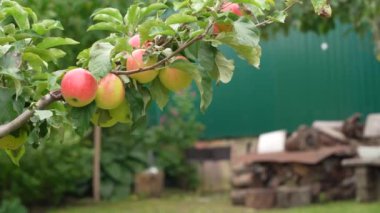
206,59
106,27
9,105
151,8
56,41
43,114
244,40
279,16
149,29
100,59
19,15
34,61
81,116
47,55
159,93
46,25
16,155
132,18
202,80
180,18
4,49
108,14
225,67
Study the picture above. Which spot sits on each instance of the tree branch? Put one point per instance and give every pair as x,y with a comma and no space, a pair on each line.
163,61
24,117
269,21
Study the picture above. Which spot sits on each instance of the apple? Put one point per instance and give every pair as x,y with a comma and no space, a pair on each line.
136,61
103,118
134,41
226,27
122,113
232,8
110,93
78,87
175,79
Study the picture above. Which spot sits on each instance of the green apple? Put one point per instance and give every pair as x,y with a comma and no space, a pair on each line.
103,118
175,79
122,113
110,93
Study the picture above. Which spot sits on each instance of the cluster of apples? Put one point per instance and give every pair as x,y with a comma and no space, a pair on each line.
79,88
227,7
172,78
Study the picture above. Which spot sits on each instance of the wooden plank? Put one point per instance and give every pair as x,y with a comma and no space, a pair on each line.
372,126
262,198
293,196
361,162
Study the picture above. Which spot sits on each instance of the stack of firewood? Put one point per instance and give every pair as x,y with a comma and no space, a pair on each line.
287,184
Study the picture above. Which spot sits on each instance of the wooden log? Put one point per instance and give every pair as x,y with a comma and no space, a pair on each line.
243,180
293,196
239,168
262,198
238,196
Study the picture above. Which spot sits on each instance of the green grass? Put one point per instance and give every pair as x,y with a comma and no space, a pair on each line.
191,203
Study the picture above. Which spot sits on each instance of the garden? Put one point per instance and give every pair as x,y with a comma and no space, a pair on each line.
189,106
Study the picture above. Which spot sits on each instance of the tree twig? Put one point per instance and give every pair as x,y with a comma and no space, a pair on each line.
269,21
163,61
24,117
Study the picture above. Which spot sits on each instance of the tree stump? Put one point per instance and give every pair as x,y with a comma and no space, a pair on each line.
149,183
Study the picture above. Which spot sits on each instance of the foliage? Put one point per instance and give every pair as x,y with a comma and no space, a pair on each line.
178,131
123,155
48,174
362,15
29,46
12,205
74,16
125,151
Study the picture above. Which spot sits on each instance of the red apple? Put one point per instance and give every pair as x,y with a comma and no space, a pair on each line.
232,8
226,27
110,92
175,79
78,87
134,41
136,61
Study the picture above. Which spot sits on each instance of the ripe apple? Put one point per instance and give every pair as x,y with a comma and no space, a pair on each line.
136,61
78,87
110,92
122,113
227,27
134,41
175,79
232,8
103,118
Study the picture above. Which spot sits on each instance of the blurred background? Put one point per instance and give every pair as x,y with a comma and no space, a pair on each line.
312,69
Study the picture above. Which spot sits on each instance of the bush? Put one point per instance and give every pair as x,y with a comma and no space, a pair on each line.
48,173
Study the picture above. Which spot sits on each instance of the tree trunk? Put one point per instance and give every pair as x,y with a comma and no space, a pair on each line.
96,163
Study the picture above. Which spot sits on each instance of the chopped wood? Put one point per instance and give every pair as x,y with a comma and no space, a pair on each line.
261,198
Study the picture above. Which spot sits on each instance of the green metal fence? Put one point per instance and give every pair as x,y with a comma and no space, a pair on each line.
298,82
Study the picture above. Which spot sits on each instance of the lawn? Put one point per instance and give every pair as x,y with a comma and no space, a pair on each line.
192,203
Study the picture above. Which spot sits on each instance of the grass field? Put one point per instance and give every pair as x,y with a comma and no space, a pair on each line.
192,203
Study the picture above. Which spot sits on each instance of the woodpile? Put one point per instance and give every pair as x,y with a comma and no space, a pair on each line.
309,170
